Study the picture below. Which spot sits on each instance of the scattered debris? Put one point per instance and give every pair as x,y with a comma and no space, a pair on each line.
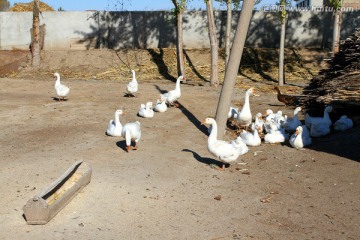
218,197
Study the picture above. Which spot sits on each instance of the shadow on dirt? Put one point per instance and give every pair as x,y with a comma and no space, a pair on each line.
207,161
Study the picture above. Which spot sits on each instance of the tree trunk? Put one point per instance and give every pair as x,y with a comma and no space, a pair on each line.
35,45
228,31
281,52
336,33
233,66
214,79
179,47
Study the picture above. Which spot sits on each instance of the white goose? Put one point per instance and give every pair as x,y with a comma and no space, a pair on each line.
161,104
291,124
146,110
275,133
325,120
130,131
300,138
133,86
342,124
61,90
259,122
251,139
173,95
319,129
226,152
269,115
244,117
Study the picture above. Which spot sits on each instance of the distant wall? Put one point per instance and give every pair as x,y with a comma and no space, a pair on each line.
88,30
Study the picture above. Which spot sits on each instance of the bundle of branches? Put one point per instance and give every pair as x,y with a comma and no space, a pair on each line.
28,7
339,85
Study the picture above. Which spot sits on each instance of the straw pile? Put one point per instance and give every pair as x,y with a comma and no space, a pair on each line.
339,85
28,7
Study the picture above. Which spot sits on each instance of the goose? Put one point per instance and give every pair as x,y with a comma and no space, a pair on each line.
278,117
274,137
287,99
251,139
343,123
325,120
130,131
244,117
290,124
269,115
259,122
146,110
275,133
61,90
233,112
173,95
319,129
226,152
114,128
300,138
133,86
161,104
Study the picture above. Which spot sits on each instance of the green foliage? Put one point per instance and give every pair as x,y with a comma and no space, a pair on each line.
235,3
4,5
60,9
335,3
282,11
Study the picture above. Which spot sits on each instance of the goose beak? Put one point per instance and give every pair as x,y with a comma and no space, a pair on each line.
254,93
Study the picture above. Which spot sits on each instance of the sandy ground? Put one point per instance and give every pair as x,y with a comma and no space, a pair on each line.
166,189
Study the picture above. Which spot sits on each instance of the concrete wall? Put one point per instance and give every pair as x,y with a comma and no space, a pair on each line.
87,30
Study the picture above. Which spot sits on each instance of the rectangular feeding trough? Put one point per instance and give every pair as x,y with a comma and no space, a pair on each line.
45,205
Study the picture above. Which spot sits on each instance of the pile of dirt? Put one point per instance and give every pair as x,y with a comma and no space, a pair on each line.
339,84
28,7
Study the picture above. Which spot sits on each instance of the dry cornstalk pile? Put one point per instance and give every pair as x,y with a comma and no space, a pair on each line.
339,85
28,7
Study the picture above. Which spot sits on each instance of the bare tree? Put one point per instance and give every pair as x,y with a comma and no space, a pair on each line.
233,66
228,30
336,4
179,9
4,5
35,45
229,7
283,17
214,79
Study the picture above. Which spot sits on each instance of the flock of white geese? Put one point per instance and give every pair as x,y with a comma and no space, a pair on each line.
269,127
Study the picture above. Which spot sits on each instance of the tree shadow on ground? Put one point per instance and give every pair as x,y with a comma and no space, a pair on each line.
187,113
193,68
158,59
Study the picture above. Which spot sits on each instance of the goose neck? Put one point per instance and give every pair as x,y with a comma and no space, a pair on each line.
117,120
213,133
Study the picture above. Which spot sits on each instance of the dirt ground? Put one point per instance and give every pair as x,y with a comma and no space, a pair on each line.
168,188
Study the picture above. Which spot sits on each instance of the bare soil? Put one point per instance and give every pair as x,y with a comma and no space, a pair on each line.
170,188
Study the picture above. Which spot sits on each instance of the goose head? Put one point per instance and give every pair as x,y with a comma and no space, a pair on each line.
57,75
119,112
297,110
209,121
259,116
328,109
298,130
251,92
149,105
268,112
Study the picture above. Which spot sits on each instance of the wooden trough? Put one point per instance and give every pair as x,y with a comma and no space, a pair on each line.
45,205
